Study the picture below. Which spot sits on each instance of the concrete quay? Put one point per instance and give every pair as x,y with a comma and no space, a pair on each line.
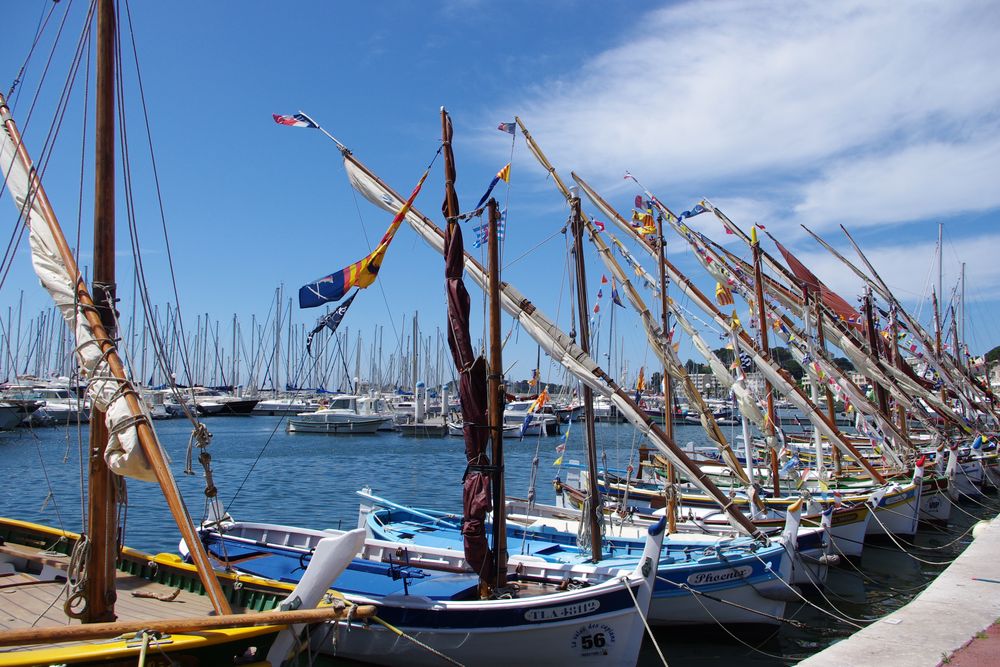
947,623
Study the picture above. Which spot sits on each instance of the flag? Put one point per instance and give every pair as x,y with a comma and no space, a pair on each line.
640,384
604,280
561,447
331,321
615,299
524,425
600,294
722,295
295,120
502,175
599,225
361,273
697,210
746,361
534,378
509,128
540,401
482,232
597,308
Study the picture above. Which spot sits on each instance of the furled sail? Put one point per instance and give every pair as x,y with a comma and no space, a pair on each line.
554,341
63,282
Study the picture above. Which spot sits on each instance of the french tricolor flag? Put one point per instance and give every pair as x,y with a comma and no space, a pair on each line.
295,120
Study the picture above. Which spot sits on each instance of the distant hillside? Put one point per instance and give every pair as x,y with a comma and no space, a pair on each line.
993,355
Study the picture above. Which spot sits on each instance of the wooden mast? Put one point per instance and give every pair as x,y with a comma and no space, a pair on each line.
758,285
102,490
495,403
88,310
830,406
668,388
594,495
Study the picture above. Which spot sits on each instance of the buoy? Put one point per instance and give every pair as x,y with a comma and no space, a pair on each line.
979,528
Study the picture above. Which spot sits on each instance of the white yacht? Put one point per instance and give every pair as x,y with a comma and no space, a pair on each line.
542,422
340,415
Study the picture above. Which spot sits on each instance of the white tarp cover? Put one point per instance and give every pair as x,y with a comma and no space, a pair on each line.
123,452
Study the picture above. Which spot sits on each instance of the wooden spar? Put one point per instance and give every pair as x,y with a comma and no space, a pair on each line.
761,360
877,284
830,407
69,633
495,404
711,426
880,394
523,308
668,389
595,508
758,286
147,438
102,491
785,297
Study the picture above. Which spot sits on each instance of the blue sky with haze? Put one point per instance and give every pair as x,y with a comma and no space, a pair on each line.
881,116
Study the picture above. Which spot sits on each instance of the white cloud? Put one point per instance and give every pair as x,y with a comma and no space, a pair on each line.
910,269
930,180
786,112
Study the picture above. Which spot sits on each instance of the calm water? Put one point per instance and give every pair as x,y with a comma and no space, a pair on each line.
266,474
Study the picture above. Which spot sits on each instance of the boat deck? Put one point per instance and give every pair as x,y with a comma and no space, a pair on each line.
32,593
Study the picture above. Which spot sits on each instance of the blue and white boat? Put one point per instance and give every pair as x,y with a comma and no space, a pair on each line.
702,579
429,604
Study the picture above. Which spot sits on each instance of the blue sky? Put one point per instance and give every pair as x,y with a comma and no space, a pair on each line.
878,116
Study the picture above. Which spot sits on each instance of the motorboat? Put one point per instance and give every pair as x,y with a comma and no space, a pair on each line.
339,416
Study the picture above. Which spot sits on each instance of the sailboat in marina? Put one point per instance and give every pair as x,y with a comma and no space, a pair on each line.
467,607
83,598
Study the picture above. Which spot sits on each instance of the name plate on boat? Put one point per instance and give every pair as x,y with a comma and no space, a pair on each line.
565,611
719,576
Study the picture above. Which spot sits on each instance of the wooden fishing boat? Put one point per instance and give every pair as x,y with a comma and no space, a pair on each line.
163,604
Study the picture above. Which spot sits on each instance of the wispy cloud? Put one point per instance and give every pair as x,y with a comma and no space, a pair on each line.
872,112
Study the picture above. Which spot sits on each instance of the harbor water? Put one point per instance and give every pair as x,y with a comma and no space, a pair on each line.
266,474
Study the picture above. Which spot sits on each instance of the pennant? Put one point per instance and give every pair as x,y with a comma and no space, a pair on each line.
597,308
509,128
599,225
295,120
697,210
331,321
361,273
600,294
534,378
722,295
502,175
604,280
615,299
540,401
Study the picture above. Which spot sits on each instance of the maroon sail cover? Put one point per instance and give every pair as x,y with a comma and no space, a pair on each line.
476,496
832,300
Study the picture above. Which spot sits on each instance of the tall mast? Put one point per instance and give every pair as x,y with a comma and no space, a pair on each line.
102,493
495,396
830,406
758,284
594,498
668,388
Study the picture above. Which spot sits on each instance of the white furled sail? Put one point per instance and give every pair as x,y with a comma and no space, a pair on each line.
553,340
123,453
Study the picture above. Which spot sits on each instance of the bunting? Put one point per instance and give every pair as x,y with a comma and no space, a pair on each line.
723,296
563,441
362,273
330,321
502,175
